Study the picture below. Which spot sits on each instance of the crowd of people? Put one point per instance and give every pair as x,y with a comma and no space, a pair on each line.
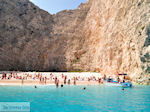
58,80
50,78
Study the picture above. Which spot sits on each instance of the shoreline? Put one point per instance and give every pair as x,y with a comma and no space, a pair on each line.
49,78
33,83
13,84
36,83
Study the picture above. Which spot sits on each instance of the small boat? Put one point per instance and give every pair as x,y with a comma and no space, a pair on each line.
118,84
111,82
126,84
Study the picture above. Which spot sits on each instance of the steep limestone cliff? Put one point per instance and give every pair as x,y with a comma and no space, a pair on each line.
107,36
117,36
23,30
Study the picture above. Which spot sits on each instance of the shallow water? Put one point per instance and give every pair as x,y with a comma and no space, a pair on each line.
75,99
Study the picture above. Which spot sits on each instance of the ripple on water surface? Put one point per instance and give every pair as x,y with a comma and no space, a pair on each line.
75,99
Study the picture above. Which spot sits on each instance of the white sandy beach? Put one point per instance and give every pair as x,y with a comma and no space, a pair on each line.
31,78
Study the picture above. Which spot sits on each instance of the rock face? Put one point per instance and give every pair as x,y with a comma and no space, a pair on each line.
107,36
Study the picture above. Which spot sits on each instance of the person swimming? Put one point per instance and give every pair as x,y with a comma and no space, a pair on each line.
35,86
62,85
84,88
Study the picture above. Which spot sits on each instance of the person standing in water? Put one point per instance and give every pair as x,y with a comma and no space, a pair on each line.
45,79
56,80
40,79
57,83
22,80
99,80
74,82
69,81
65,78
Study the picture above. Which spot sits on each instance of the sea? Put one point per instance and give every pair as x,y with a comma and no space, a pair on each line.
74,98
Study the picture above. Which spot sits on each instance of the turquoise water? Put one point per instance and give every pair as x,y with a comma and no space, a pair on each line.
75,99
